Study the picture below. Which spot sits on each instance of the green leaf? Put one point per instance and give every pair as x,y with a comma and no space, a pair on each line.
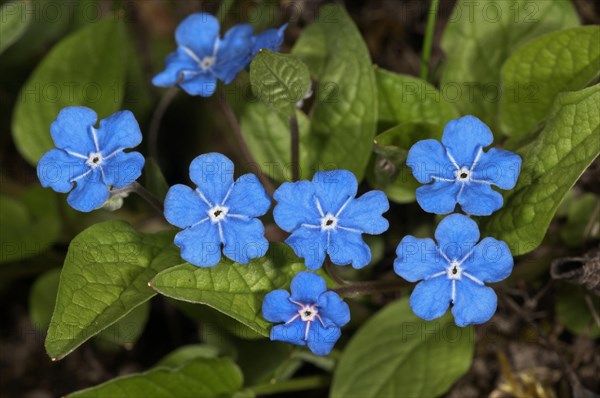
573,312
279,80
407,99
15,20
542,69
105,276
478,39
28,226
155,181
86,68
345,111
201,378
42,297
311,47
128,329
551,165
236,290
187,353
390,172
267,133
397,354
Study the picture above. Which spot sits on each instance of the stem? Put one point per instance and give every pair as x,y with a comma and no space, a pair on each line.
135,187
295,131
157,116
235,127
370,287
299,384
426,55
329,268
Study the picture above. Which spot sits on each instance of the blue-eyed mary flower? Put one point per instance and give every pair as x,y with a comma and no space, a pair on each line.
88,161
311,315
202,56
461,171
325,217
454,271
218,212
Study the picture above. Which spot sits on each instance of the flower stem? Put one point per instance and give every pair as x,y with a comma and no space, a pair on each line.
330,269
136,187
157,116
237,131
298,384
426,54
295,156
364,288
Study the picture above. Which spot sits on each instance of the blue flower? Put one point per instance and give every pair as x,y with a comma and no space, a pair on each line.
454,271
461,171
218,212
324,217
311,315
91,159
202,57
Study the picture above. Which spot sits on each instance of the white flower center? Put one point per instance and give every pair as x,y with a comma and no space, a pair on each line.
207,62
463,174
94,160
328,222
217,213
454,271
308,313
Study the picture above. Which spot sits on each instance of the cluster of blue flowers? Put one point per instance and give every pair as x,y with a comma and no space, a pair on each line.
324,217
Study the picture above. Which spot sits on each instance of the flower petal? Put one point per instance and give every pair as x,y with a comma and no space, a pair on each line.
348,247
213,174
479,199
439,197
465,137
428,159
248,197
431,298
200,245
306,287
498,167
270,39
292,332
235,52
491,261
456,236
175,64
183,206
322,339
89,193
202,84
199,32
57,169
118,131
333,310
418,259
277,307
123,168
310,244
71,130
244,239
295,205
474,303
334,188
365,213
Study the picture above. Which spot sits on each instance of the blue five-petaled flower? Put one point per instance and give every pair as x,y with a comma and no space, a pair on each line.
311,315
220,211
92,159
461,171
202,57
325,217
454,271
